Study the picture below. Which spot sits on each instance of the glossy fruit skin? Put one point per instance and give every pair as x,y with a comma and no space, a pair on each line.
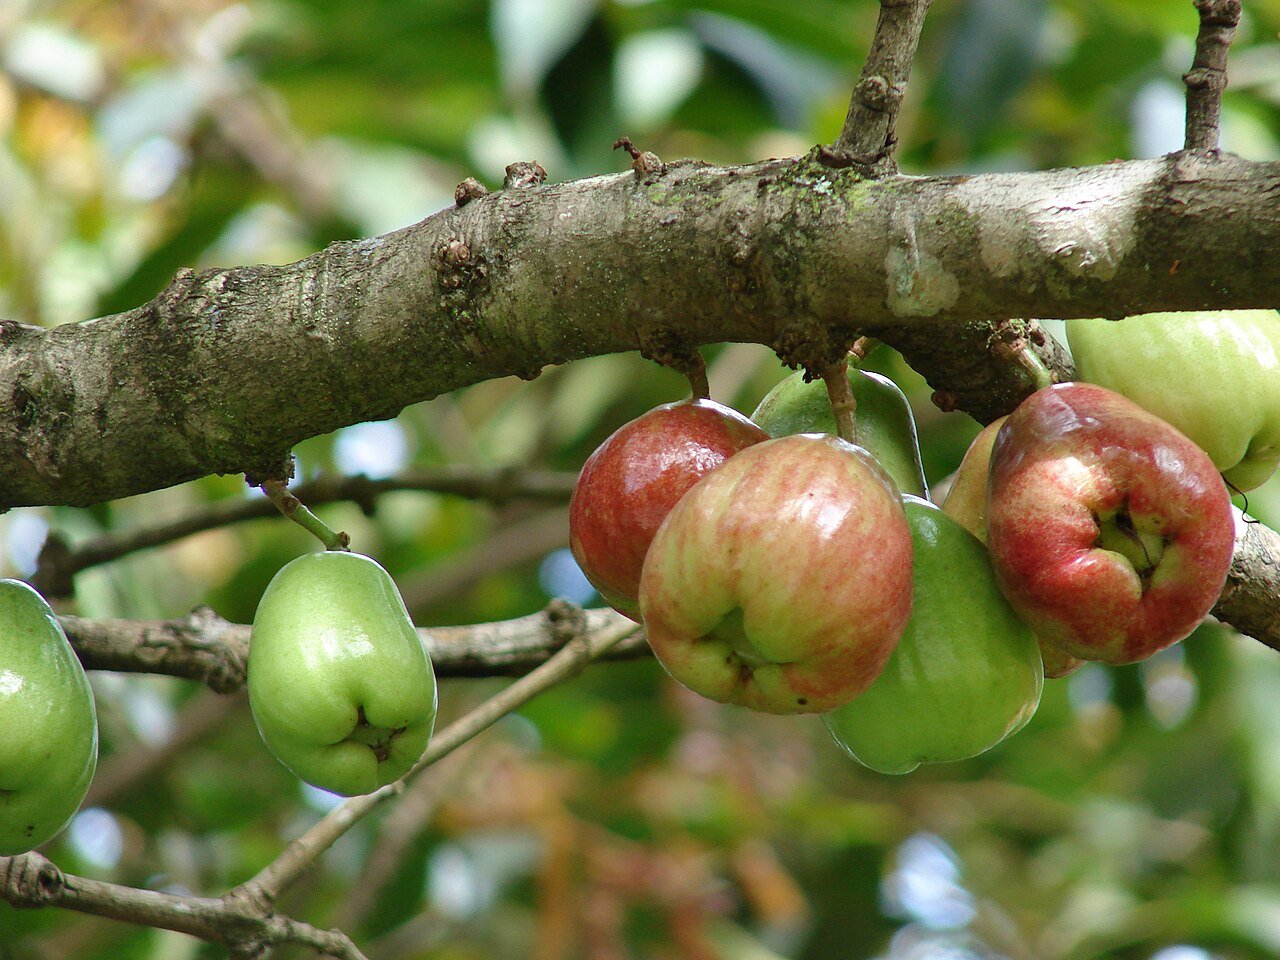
886,427
1215,375
48,725
782,580
966,673
332,643
966,503
1085,488
630,483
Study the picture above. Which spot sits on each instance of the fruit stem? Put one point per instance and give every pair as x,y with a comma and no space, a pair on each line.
293,508
843,404
861,348
696,373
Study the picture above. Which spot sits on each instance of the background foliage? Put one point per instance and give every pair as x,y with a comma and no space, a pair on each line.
1138,816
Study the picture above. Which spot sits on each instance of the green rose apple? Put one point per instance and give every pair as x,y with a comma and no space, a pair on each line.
340,684
886,427
966,673
1215,375
48,727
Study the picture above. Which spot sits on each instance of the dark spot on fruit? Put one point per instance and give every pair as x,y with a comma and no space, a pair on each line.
802,701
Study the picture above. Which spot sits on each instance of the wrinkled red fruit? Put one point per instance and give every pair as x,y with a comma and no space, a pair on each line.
629,485
1110,532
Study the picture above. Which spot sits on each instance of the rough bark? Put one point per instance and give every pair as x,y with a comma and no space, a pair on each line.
226,369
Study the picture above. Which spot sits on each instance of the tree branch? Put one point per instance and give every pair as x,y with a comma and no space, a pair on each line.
32,880
1207,77
867,140
207,648
244,919
582,645
227,369
59,563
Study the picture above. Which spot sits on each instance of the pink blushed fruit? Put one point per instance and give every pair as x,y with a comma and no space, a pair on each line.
782,580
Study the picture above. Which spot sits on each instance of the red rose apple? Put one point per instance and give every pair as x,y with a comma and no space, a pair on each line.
782,580
1110,532
629,485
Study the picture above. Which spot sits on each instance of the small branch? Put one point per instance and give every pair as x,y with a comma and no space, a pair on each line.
867,140
59,563
31,880
843,405
577,652
214,651
1207,77
295,510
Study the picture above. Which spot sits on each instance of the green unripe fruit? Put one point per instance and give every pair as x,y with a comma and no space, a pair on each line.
885,425
1215,375
48,727
340,684
966,673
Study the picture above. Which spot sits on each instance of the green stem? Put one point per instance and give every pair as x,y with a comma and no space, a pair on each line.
295,510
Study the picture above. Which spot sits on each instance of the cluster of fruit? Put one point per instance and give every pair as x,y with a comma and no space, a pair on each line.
780,568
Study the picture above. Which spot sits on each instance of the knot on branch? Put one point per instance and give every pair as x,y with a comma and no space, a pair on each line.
877,93
1219,13
227,668
1202,78
567,621
523,174
644,163
30,880
471,189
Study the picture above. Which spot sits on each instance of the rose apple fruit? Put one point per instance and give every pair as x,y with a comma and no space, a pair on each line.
886,427
1215,375
631,482
1110,532
966,673
966,503
48,726
340,684
782,580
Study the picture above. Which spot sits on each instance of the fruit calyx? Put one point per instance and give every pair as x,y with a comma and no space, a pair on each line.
378,739
1119,532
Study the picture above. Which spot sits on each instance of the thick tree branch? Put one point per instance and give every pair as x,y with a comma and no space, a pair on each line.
1207,77
207,648
31,880
227,369
867,140
59,562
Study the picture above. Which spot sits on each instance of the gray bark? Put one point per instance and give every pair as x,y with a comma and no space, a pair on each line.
226,369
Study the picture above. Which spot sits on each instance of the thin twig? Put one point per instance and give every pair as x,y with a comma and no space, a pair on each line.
59,563
867,140
267,886
207,648
843,405
1207,77
294,509
32,880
